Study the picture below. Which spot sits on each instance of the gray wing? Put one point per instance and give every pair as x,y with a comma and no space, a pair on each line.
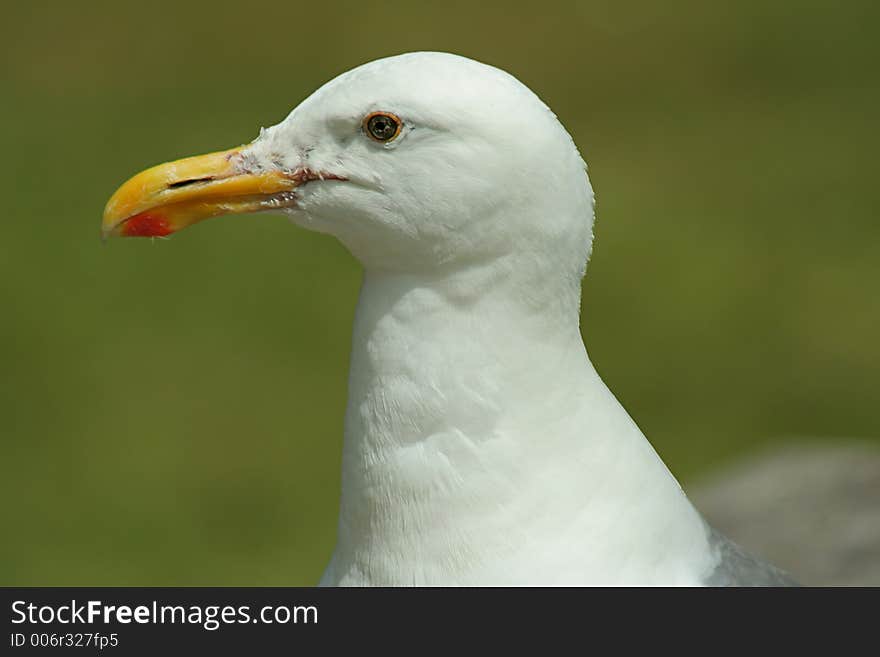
736,567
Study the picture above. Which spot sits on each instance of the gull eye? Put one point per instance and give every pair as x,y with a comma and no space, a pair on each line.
382,126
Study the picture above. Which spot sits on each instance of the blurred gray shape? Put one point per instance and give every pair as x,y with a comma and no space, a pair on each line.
811,508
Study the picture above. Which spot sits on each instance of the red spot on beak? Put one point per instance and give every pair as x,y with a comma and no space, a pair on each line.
147,224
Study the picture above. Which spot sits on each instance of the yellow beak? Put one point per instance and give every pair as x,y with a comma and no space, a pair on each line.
172,196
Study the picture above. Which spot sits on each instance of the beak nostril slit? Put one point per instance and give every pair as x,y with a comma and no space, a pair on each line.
191,181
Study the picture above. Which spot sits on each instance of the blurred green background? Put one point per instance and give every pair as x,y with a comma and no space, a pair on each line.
171,411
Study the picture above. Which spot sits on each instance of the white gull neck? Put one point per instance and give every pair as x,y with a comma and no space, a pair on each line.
481,447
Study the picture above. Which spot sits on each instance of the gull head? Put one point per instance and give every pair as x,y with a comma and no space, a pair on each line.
421,161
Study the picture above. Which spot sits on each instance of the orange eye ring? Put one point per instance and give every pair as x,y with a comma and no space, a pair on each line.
382,126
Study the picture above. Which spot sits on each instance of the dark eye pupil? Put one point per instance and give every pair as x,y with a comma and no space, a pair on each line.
382,127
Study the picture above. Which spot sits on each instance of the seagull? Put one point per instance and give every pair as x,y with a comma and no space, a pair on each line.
481,447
